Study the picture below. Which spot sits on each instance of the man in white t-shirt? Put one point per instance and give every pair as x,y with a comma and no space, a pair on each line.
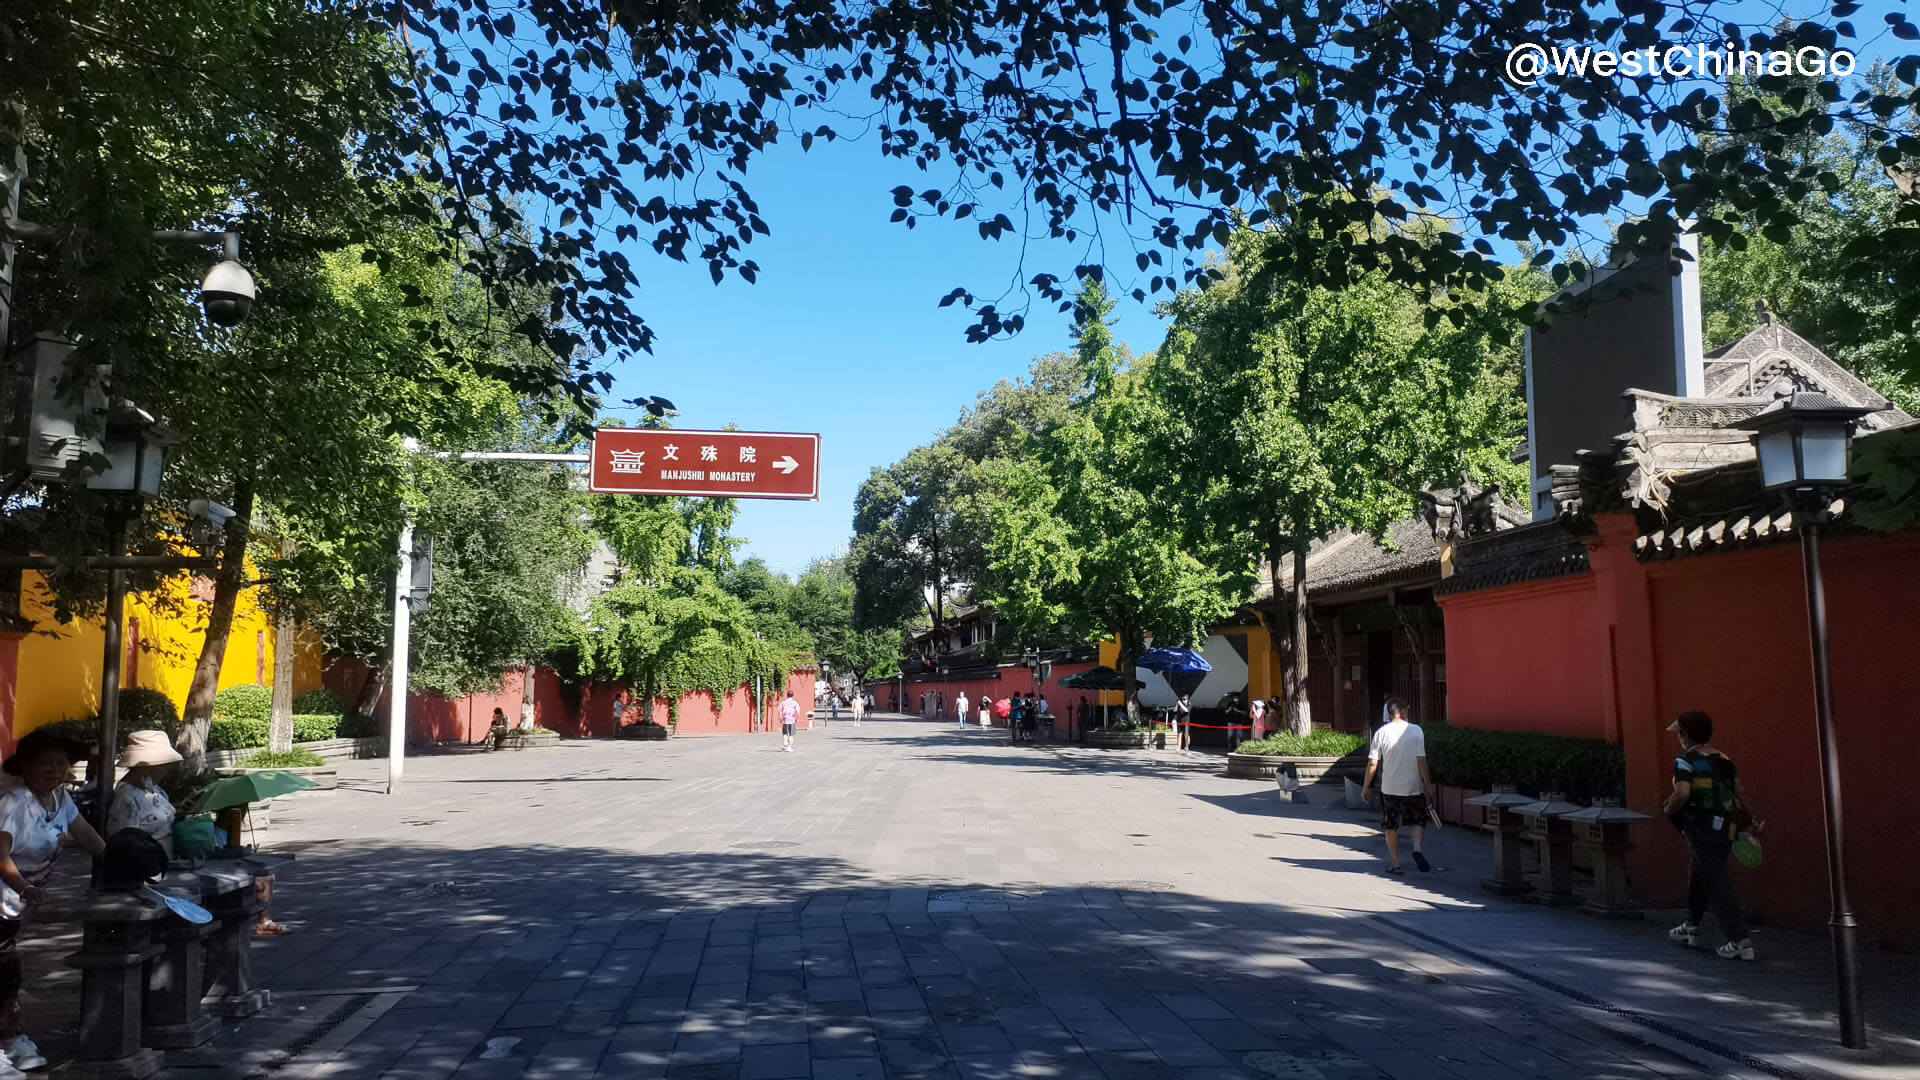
960,709
1399,757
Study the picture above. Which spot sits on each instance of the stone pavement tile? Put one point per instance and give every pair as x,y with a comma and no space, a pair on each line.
904,1025
833,968
913,1056
834,990
776,1061
774,1030
1182,1050
1097,1034
730,939
663,986
498,1069
1129,1065
894,998
781,960
665,963
539,1014
727,954
1196,1007
706,1048
938,964
723,972
1152,1018
643,1009
656,1036
860,1068
1074,1006
705,1071
988,1066
841,1037
976,1039
579,1021
1231,1035
937,986
568,1057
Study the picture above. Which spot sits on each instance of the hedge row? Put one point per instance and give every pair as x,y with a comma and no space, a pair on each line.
1581,769
230,733
1318,744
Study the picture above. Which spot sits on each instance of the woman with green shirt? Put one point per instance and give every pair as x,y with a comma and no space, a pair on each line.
1705,806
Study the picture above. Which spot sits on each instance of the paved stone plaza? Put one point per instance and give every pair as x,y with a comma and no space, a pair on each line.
907,900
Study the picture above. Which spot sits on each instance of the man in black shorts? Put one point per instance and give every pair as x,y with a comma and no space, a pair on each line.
1399,756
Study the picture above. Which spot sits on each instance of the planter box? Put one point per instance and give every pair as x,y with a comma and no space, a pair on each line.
530,740
1311,769
1119,740
324,777
328,749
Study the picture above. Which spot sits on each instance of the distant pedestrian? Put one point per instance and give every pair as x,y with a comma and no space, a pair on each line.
1183,722
789,720
940,705
960,709
1257,718
986,711
833,703
859,708
1705,805
1398,756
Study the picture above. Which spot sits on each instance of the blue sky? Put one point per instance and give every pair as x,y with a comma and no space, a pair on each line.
841,334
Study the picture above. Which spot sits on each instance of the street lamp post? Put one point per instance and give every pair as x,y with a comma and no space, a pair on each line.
1802,443
135,448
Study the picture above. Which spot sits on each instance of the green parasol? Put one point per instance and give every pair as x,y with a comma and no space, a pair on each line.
250,787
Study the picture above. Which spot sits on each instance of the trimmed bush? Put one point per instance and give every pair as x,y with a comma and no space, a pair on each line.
296,758
1318,744
358,727
147,710
254,702
319,703
1582,769
312,728
227,733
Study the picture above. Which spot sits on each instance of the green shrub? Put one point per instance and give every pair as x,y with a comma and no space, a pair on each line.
1318,744
227,733
315,728
252,702
358,727
1582,769
297,758
319,703
147,710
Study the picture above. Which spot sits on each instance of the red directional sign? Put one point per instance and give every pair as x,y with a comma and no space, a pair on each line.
733,464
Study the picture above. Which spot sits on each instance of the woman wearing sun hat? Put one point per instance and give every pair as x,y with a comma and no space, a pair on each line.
37,818
139,802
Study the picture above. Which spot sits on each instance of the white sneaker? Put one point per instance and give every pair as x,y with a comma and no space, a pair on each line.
1737,950
1685,934
23,1054
8,1072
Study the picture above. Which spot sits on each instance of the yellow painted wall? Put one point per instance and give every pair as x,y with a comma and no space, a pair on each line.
1263,668
60,663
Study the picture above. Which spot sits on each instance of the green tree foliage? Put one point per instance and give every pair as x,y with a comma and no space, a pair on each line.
1862,313
1304,410
821,604
1082,541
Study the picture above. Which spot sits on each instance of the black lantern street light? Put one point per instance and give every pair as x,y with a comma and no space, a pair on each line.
1802,442
135,447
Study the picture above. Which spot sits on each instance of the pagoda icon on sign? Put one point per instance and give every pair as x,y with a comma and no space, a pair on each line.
629,461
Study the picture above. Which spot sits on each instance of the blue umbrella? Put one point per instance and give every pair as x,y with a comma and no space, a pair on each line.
1184,668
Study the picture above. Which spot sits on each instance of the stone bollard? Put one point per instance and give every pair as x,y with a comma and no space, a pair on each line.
1606,825
1501,803
1553,841
228,888
116,945
176,979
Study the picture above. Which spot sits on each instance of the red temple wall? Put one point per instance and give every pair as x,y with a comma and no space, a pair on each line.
1528,657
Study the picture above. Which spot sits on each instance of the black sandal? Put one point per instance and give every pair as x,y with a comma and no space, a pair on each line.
1396,869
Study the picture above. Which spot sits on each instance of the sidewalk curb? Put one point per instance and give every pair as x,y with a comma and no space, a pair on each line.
1709,1053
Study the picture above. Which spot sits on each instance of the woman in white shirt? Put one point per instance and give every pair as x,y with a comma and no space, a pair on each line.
37,817
139,802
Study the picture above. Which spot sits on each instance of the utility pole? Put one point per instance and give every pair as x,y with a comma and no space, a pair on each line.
402,631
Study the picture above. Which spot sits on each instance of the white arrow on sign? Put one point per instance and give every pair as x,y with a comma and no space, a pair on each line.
786,464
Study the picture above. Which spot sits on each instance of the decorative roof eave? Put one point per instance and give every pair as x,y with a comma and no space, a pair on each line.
1547,549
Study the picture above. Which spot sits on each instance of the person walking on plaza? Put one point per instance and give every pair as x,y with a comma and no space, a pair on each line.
1257,718
789,719
960,709
1183,723
986,709
859,708
1705,806
1398,756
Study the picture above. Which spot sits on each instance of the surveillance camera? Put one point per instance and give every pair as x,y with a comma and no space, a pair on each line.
227,293
211,512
